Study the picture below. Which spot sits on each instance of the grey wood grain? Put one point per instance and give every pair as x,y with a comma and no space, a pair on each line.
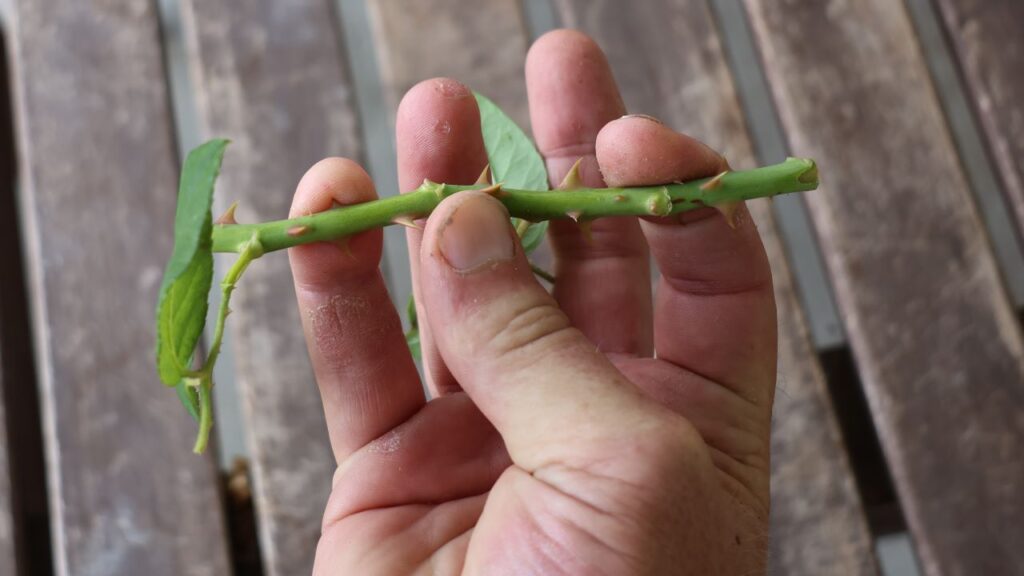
420,40
99,170
988,38
937,344
271,76
669,63
7,543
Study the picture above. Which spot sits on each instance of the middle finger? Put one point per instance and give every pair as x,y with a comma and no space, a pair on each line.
603,273
437,133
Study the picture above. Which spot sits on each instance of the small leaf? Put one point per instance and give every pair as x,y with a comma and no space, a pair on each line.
412,340
189,398
184,292
533,236
514,160
412,337
410,312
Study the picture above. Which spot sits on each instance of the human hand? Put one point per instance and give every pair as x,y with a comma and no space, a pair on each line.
555,443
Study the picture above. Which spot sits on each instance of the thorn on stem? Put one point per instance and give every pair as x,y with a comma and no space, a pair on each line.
572,179
296,231
575,215
493,190
485,176
728,210
228,217
407,221
620,197
714,182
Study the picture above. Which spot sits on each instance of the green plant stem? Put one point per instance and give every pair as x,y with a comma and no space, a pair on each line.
251,250
205,388
203,379
581,204
542,273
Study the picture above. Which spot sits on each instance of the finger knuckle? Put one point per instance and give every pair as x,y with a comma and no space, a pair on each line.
528,327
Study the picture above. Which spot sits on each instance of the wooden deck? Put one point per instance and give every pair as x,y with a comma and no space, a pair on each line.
96,476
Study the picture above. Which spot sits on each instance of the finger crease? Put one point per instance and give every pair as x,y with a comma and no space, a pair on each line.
572,151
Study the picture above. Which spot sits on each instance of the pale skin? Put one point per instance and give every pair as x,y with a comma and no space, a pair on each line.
595,430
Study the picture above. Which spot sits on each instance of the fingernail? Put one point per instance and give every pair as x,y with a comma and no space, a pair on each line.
476,233
644,117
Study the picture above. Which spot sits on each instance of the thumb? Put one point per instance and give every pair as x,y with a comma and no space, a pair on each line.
550,394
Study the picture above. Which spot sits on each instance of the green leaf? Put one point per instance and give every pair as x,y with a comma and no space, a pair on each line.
412,337
412,340
189,398
533,236
410,311
184,292
514,160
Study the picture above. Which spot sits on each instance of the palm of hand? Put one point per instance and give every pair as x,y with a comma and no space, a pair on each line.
439,488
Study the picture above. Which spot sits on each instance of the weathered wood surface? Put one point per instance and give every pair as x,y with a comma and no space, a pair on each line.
99,168
272,77
988,37
7,546
817,522
937,344
11,298
483,47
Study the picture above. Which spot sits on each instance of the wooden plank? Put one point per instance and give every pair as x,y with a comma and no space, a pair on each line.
937,344
988,38
274,80
14,363
461,45
7,538
127,495
817,522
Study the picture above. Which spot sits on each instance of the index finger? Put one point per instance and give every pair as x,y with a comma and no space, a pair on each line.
367,380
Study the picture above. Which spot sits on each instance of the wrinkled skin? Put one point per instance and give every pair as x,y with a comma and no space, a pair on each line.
557,441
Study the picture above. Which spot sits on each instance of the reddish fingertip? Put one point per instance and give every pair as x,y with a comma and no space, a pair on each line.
438,135
568,74
566,40
449,88
639,150
327,184
331,181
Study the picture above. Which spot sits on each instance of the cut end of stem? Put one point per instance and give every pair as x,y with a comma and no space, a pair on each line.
810,175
